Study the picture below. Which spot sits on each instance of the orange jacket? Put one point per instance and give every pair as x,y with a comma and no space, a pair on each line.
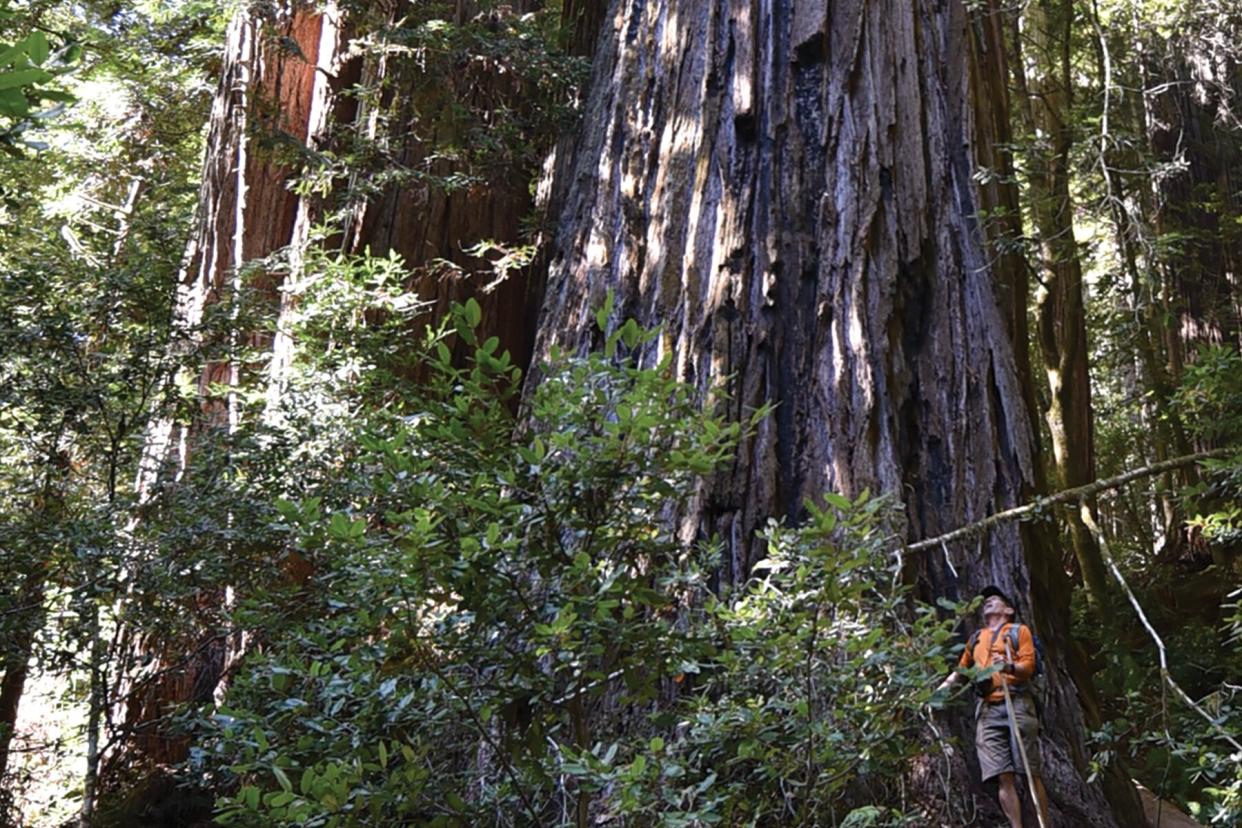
991,642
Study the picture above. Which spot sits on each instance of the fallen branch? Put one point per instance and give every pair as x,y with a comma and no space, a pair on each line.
1069,496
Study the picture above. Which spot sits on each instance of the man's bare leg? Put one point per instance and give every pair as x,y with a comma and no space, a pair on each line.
1011,804
1042,796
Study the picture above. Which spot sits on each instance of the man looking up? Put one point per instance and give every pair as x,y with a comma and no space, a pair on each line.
999,755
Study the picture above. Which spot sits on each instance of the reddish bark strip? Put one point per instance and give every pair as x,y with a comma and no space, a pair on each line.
281,81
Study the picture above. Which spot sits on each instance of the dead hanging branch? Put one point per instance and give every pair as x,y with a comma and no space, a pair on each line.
1094,527
1070,496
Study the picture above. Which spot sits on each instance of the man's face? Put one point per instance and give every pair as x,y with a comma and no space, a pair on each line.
995,605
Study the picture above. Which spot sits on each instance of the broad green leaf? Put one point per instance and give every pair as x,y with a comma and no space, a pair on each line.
282,778
840,501
281,799
10,55
23,77
474,313
13,103
37,47
340,527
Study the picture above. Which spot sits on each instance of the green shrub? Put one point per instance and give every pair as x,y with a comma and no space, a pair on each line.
506,626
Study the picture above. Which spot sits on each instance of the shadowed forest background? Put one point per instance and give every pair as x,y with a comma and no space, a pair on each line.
605,413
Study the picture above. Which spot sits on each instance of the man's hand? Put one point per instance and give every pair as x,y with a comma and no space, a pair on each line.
952,680
998,660
941,694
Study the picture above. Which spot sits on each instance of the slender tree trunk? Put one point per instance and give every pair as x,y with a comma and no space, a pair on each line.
96,700
1044,81
97,650
786,189
48,507
16,660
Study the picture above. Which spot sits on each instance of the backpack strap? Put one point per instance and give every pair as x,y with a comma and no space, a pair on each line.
971,642
1014,629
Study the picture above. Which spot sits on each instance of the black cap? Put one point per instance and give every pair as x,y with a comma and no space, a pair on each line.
989,591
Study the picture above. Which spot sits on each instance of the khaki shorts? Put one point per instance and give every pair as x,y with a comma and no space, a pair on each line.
998,751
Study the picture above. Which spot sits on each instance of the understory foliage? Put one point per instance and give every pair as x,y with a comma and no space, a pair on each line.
1179,753
30,63
480,619
99,116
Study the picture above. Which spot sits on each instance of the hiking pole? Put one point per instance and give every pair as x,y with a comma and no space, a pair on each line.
1017,737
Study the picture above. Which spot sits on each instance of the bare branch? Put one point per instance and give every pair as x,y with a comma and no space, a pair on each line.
1069,496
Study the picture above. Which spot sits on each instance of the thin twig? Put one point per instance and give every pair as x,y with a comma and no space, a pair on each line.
481,727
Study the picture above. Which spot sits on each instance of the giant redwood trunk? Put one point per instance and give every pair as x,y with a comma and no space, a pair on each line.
786,189
286,73
268,86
